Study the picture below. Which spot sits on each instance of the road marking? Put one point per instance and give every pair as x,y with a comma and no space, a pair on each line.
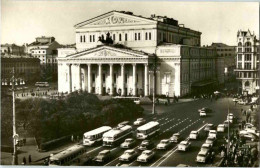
172,151
93,150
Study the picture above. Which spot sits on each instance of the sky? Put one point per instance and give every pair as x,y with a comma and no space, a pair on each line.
22,21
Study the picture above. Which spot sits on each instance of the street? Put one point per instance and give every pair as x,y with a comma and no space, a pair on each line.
182,118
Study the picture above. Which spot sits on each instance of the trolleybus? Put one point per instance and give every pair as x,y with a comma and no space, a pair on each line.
95,136
147,130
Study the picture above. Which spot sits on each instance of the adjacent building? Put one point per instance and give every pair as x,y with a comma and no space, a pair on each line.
116,54
12,49
247,62
27,69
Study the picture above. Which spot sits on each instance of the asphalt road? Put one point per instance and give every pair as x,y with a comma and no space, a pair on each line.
182,118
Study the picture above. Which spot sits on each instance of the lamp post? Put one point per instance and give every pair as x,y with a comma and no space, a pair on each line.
154,69
15,136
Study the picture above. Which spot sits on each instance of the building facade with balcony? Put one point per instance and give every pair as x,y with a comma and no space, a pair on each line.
115,54
247,62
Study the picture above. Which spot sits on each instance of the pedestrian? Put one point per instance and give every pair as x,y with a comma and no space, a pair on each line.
24,160
30,159
72,138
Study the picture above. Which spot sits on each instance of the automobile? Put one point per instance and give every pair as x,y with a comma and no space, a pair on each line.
205,109
221,128
194,135
212,133
230,116
248,135
241,102
203,157
209,127
129,142
175,138
164,144
103,156
211,141
184,146
162,101
128,155
139,121
206,147
123,123
145,144
182,165
203,114
227,122
146,156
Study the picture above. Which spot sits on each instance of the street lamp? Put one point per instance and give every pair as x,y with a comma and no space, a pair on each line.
15,136
154,69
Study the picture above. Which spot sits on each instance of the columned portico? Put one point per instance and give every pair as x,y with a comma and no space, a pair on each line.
89,79
134,79
111,79
122,79
146,80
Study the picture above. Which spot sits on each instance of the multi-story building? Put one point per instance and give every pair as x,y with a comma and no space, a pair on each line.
229,55
115,53
247,64
12,49
27,69
45,48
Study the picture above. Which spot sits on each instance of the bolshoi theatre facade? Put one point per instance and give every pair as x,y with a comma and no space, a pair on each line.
118,53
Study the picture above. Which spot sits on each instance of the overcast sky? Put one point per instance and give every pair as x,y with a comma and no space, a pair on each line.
22,21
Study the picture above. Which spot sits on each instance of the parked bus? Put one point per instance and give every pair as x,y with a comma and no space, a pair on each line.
116,135
147,130
42,84
67,156
92,137
136,100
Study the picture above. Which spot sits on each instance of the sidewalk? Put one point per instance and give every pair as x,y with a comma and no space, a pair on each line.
31,149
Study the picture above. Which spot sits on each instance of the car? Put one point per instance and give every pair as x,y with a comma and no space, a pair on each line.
211,141
206,147
203,157
221,128
128,155
146,156
203,114
212,133
175,138
123,123
182,165
230,116
129,142
139,121
194,135
209,127
145,144
249,135
103,156
164,144
205,109
184,146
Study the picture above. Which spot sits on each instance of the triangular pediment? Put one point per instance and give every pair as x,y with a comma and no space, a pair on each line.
114,18
108,52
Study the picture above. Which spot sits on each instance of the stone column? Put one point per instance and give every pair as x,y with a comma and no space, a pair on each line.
134,79
123,79
85,79
89,79
100,82
79,77
111,79
145,79
69,78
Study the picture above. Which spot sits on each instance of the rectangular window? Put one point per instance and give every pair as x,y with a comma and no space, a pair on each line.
239,57
239,65
120,38
167,78
150,36
146,36
135,36
248,57
248,49
90,38
248,65
249,74
84,39
139,36
81,39
93,38
239,49
126,78
125,37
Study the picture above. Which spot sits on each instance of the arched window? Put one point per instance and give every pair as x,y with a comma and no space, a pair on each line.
248,44
239,44
247,84
120,37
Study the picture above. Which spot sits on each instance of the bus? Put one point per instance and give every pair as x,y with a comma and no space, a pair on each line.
67,156
42,84
116,135
147,130
136,100
94,136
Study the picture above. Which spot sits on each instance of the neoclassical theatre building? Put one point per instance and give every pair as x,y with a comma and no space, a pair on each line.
116,53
